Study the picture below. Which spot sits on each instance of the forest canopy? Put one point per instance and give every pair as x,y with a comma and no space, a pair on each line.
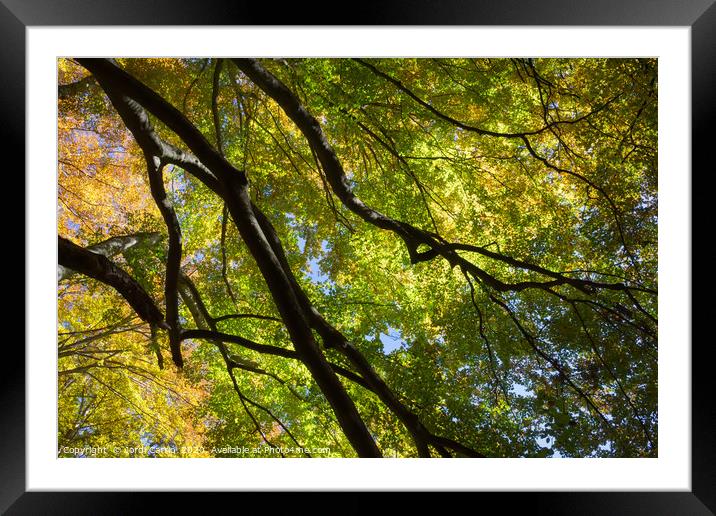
338,257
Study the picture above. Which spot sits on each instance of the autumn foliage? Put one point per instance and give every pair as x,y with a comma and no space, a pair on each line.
349,257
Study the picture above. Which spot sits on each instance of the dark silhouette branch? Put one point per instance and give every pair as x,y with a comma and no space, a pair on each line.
236,339
154,150
114,79
174,252
114,246
99,267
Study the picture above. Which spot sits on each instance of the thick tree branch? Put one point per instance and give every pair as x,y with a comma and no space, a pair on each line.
115,245
138,123
236,339
171,296
99,267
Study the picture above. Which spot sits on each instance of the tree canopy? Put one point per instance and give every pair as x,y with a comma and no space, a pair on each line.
357,257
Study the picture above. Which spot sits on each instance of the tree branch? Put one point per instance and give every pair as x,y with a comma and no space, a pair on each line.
99,267
115,245
171,296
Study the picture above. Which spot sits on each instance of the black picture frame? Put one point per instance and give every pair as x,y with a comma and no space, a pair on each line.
700,15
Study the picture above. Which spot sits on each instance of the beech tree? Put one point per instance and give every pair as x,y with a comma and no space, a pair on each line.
358,257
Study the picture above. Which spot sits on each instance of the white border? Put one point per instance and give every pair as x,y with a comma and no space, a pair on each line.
670,471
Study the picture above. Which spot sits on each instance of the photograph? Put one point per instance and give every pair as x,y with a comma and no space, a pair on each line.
357,257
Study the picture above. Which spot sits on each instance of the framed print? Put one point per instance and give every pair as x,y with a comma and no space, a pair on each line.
268,263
